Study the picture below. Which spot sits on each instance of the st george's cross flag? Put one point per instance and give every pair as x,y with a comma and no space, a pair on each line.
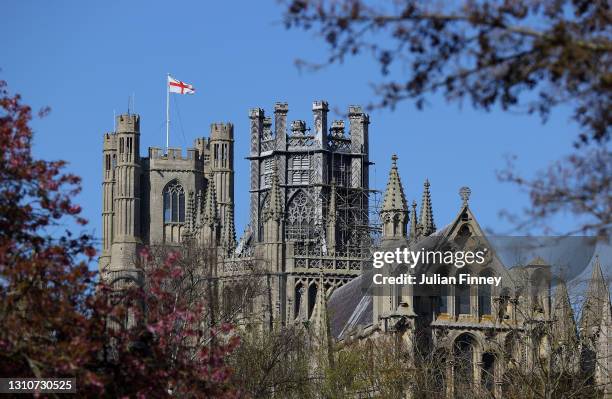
176,86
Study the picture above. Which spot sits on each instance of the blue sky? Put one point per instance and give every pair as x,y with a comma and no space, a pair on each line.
84,59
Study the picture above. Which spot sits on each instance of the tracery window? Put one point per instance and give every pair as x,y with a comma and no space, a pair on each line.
300,217
174,203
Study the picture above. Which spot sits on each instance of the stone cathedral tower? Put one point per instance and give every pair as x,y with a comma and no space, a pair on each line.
309,204
162,198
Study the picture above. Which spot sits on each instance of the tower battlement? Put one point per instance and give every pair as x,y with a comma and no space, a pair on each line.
220,130
110,141
128,123
175,154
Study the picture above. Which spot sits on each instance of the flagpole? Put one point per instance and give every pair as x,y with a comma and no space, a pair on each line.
167,113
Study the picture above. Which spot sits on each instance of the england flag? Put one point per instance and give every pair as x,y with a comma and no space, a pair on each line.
176,86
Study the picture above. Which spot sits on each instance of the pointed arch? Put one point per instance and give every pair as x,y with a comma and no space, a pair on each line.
300,217
174,202
464,352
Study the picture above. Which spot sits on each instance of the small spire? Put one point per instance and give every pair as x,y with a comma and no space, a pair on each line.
597,297
394,199
413,221
427,220
319,316
230,229
564,325
210,206
276,204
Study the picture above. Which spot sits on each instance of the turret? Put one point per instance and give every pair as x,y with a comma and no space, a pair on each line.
394,211
280,125
319,113
222,165
109,160
126,223
358,130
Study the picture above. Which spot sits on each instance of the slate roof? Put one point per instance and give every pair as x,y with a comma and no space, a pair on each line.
349,306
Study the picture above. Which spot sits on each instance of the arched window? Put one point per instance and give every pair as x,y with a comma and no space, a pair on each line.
463,370
300,217
462,296
484,295
297,306
174,203
312,298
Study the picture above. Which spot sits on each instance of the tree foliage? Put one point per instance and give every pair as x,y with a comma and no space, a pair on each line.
528,55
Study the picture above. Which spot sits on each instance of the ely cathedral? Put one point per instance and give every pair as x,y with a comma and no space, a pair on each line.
313,226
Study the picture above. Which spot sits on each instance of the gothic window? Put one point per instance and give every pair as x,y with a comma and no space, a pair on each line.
108,161
299,291
174,203
312,298
300,217
463,371
265,206
462,299
484,296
